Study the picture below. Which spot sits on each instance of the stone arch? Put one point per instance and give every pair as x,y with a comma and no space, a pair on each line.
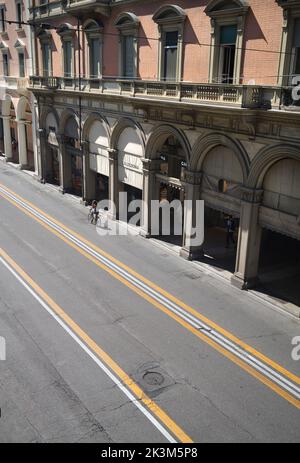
89,121
7,105
120,126
23,103
266,158
44,115
207,143
64,118
92,25
173,11
159,136
126,19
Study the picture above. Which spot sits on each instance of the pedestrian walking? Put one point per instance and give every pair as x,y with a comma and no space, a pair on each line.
230,226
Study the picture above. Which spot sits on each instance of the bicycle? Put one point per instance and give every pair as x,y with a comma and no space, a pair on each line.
93,217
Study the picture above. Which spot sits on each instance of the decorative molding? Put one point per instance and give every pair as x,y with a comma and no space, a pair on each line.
250,195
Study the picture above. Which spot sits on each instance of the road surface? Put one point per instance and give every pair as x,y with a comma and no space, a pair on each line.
115,339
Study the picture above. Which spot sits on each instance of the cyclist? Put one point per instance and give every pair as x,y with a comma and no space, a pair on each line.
93,211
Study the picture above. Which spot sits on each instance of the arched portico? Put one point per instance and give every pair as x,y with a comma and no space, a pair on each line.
50,149
25,137
71,161
96,136
126,154
166,162
10,130
223,166
270,211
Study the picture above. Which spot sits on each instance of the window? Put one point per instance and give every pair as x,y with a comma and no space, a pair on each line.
21,64
93,30
2,19
289,58
5,64
170,20
128,56
128,25
94,58
67,51
19,14
295,60
46,59
46,54
227,32
170,55
67,33
227,54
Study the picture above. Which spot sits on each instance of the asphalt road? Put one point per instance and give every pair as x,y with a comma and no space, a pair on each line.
92,356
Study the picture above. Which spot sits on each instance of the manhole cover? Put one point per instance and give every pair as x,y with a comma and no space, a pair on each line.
153,378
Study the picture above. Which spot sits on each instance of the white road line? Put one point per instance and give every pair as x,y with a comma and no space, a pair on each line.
206,330
103,367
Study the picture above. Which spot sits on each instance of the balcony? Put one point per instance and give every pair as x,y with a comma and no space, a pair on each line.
15,84
222,95
45,10
83,6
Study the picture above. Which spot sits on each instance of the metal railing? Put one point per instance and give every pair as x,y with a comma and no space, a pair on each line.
245,96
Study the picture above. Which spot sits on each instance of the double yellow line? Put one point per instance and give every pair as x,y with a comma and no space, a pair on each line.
101,354
249,369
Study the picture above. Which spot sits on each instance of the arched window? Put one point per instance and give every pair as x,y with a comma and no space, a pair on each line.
93,30
128,25
170,20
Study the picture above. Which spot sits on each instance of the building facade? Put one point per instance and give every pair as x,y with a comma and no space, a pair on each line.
17,121
189,100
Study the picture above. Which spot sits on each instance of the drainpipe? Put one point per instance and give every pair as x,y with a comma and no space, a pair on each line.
80,107
34,104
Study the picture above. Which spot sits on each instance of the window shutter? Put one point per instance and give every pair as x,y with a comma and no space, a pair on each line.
297,34
128,56
171,48
228,34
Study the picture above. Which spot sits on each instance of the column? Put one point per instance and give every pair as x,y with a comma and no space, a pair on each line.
89,177
149,193
249,242
114,186
7,138
193,227
64,165
22,144
42,156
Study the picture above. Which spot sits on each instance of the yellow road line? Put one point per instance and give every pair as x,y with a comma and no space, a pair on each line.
124,378
153,302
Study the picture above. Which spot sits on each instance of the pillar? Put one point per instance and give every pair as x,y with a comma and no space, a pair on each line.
64,165
249,241
22,144
89,177
7,138
149,193
193,226
42,156
114,184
